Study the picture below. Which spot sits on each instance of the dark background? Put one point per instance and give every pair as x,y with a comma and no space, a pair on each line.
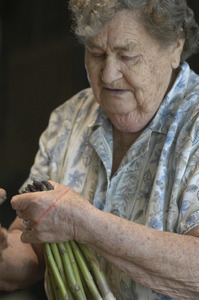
41,66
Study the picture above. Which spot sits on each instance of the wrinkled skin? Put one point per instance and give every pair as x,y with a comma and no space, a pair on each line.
129,71
63,213
113,237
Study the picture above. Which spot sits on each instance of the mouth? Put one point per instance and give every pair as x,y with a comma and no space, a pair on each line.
115,91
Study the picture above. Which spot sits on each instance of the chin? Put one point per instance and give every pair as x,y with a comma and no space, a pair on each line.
127,126
133,121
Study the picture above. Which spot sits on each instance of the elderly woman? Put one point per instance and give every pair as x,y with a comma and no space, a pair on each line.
128,148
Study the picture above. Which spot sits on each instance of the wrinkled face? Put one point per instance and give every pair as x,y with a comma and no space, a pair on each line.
129,71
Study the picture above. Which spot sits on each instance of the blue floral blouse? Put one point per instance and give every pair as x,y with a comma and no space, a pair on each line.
157,182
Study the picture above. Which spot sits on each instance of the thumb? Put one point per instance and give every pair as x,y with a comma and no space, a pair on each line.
21,202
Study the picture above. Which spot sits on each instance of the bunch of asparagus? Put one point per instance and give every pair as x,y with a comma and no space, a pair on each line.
73,272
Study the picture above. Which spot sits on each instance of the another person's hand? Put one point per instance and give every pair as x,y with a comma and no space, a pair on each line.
53,215
2,195
3,241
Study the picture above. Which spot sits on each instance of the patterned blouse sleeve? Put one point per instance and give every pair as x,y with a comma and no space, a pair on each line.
189,200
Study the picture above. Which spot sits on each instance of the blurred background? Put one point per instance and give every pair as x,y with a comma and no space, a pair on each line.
41,66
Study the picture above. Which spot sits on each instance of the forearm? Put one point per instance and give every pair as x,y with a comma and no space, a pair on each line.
165,262
20,266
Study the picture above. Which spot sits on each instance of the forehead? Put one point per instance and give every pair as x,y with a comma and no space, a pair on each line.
124,31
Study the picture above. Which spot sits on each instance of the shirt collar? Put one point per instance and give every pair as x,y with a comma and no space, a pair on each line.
163,118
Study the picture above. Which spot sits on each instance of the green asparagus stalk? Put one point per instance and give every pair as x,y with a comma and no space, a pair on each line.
73,271
54,270
85,271
58,261
55,293
74,266
73,284
99,275
49,280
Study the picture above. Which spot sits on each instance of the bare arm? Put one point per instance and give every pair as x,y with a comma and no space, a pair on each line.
166,262
21,264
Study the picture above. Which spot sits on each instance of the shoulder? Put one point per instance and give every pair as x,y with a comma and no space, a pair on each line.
77,112
80,101
189,84
185,97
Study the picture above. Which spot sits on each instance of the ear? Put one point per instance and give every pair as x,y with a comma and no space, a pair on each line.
176,53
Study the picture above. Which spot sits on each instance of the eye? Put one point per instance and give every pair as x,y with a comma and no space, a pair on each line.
133,59
97,54
125,57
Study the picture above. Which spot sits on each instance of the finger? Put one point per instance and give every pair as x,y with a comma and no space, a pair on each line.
28,236
53,183
26,223
2,195
57,185
18,214
21,201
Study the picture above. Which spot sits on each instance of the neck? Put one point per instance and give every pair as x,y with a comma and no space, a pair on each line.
122,141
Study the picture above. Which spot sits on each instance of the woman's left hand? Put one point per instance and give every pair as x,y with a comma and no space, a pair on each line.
50,216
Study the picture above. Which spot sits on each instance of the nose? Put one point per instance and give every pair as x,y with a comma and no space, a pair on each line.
110,72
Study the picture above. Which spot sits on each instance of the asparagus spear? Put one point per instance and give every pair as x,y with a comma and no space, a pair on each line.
50,283
73,284
58,261
85,271
54,270
74,266
99,275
